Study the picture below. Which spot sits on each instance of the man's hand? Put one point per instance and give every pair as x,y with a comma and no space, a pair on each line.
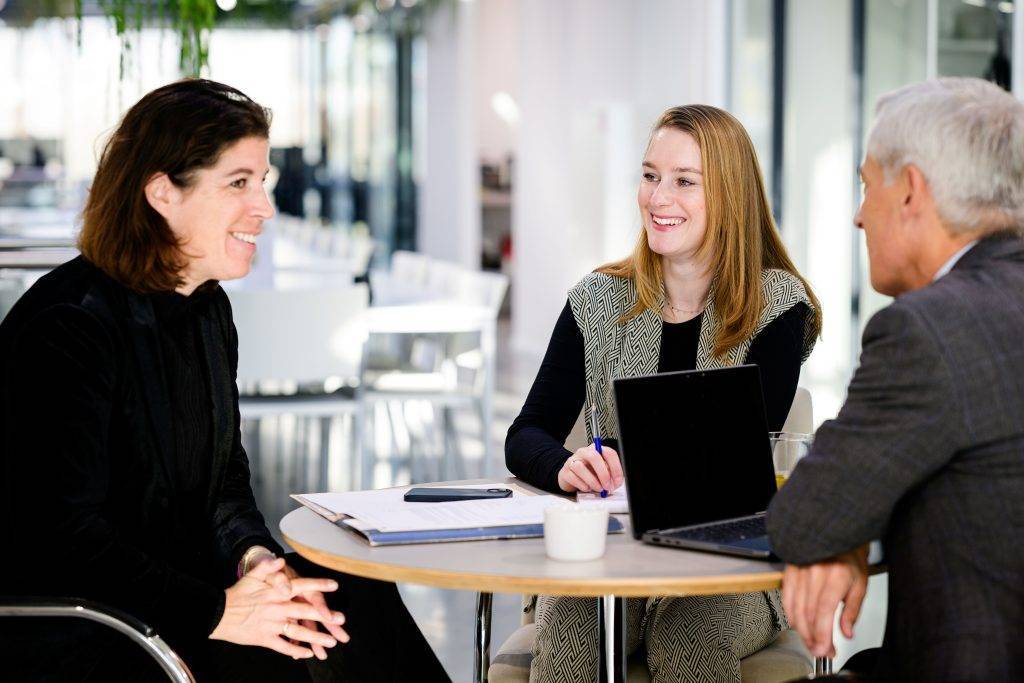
811,594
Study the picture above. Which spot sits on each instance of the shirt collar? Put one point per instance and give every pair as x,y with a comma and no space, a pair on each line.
948,265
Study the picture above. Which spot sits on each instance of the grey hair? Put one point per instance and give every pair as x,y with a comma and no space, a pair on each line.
966,136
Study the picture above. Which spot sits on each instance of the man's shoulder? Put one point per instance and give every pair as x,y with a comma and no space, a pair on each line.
994,290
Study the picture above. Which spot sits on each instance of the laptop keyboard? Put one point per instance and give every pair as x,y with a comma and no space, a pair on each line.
732,530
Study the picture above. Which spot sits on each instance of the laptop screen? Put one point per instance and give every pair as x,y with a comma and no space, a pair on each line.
694,446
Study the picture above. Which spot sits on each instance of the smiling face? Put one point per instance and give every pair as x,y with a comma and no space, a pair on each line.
220,214
671,194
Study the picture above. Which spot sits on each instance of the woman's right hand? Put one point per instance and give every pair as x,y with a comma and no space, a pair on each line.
258,613
588,470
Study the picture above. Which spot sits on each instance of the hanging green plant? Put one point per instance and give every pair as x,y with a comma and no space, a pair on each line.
192,20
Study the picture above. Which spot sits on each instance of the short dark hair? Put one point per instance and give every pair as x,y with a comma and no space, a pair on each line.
176,129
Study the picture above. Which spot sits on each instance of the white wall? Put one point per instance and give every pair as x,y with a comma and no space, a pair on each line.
817,212
497,59
589,78
593,77
449,220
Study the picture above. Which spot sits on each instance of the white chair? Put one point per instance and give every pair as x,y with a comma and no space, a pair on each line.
801,413
404,282
448,368
354,249
299,353
360,251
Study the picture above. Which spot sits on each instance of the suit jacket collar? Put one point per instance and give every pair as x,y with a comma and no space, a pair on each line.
1000,245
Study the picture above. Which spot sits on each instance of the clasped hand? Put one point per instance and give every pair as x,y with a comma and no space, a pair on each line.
587,470
811,594
271,606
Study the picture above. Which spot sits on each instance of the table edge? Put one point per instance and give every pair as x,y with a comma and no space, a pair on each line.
500,583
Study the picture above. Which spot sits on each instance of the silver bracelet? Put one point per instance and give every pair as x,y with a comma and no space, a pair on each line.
250,555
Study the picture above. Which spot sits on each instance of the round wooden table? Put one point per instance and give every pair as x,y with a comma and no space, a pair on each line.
629,568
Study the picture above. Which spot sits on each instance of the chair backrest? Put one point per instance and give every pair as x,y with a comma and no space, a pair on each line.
300,335
410,267
446,281
801,413
487,289
359,252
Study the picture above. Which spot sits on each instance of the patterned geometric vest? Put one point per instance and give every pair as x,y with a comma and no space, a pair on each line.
612,349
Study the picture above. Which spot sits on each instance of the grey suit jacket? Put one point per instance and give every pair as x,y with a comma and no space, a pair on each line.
927,454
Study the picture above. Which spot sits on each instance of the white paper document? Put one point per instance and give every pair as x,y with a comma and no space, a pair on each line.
385,510
615,503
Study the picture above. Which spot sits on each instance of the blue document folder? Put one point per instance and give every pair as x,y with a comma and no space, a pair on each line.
377,538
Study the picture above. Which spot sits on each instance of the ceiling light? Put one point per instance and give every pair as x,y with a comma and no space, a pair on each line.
505,107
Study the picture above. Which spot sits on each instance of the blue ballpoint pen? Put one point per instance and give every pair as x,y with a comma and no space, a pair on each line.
597,437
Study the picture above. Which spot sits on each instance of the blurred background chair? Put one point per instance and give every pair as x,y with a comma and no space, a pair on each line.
299,355
139,633
430,355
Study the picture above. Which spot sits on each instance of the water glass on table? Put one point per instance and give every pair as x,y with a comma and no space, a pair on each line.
787,449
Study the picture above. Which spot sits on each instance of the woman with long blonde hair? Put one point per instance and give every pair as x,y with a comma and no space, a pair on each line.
709,284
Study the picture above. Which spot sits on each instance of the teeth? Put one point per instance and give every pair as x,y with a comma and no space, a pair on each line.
245,237
667,221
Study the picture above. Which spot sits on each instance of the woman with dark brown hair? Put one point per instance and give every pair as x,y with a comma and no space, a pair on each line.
708,285
124,477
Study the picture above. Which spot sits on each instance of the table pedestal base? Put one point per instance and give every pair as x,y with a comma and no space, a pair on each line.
482,639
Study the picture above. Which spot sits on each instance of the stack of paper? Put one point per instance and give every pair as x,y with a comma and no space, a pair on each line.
384,517
616,501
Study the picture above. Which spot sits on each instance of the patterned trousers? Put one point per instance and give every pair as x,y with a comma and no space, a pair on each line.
697,639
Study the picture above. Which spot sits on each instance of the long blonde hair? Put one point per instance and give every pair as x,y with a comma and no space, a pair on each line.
740,239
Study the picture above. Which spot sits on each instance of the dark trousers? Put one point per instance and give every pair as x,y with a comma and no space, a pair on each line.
385,645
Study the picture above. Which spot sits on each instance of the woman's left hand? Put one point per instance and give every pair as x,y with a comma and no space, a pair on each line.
282,580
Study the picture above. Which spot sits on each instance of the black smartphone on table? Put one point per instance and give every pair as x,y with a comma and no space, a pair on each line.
424,494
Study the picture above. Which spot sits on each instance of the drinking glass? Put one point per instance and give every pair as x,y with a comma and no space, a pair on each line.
787,449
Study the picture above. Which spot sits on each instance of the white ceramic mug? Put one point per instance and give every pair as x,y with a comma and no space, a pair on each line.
575,532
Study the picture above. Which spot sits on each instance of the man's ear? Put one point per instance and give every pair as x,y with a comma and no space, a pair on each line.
162,195
917,197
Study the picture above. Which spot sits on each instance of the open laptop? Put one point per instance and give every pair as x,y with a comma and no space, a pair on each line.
697,460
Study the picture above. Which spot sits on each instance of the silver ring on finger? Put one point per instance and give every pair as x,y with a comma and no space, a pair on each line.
285,629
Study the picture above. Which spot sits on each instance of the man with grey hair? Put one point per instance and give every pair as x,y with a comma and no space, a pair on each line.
927,453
